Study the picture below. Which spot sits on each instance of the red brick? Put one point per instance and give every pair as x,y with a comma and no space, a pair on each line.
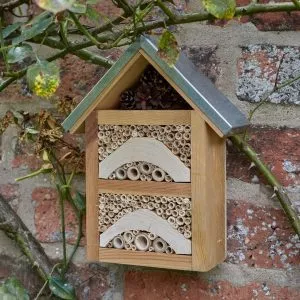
278,148
174,286
47,217
260,237
10,192
91,281
279,21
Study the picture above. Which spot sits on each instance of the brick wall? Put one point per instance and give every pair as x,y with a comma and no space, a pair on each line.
263,261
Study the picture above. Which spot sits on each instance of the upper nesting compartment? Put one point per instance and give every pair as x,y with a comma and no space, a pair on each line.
197,90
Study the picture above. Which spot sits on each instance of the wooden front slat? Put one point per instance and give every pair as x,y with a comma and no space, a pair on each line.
147,259
144,117
144,188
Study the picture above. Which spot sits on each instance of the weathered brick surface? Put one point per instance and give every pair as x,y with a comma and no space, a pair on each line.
91,281
10,192
279,148
205,59
260,237
176,286
22,270
261,66
47,217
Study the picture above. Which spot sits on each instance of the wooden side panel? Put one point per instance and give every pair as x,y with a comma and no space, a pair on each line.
147,259
144,117
92,234
208,196
151,188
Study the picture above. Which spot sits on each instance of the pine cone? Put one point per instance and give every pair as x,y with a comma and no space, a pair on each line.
127,100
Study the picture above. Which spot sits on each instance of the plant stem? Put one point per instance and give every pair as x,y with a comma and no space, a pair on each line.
78,239
63,227
281,194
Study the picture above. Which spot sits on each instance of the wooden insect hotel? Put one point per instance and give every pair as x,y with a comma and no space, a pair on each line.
155,163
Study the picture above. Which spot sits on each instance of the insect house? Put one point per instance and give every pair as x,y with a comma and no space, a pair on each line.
155,163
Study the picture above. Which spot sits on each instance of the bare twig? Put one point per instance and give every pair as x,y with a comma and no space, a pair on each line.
281,194
14,227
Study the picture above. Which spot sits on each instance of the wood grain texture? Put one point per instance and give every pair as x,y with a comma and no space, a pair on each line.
208,196
92,234
144,117
146,220
182,94
150,188
146,259
127,77
149,150
109,97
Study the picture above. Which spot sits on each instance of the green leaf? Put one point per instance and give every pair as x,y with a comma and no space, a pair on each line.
92,2
79,201
221,9
55,6
43,78
93,14
12,289
61,288
168,48
32,30
17,54
31,130
78,8
8,30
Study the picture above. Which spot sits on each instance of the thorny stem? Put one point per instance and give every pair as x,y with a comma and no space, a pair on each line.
281,194
83,29
63,229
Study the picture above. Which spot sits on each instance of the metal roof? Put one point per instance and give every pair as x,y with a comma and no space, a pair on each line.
196,86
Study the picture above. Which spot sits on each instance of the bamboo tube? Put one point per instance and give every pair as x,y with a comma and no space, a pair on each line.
187,136
128,237
159,211
121,173
159,245
152,236
127,246
133,173
167,129
180,220
187,221
168,178
187,234
145,168
164,200
171,220
118,242
158,174
143,177
149,177
170,137
142,242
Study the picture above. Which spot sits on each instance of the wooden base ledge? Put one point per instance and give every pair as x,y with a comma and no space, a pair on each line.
146,259
151,188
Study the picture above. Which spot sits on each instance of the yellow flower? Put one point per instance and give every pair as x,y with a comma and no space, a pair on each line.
45,85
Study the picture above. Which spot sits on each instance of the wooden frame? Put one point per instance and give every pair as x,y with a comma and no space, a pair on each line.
144,117
207,190
92,236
